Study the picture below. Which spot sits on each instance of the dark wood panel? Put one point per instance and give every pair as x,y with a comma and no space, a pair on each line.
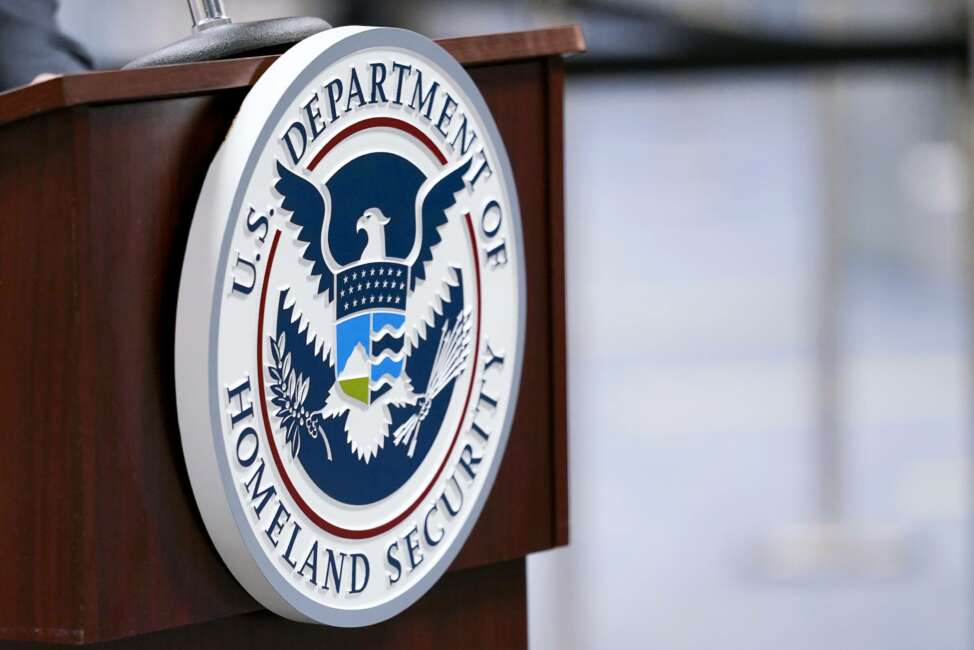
211,76
516,46
476,609
148,528
555,104
41,469
518,516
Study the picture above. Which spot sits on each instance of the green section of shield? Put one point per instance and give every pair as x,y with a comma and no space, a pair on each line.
357,388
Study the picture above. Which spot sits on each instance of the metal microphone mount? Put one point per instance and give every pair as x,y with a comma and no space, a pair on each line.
215,36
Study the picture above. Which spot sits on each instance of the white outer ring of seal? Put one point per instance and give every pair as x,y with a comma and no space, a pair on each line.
198,409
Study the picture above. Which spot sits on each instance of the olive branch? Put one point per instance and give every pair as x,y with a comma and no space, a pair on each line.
290,390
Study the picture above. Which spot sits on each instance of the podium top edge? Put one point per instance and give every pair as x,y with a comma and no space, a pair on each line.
196,78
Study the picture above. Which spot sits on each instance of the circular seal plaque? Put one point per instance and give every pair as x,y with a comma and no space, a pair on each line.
350,326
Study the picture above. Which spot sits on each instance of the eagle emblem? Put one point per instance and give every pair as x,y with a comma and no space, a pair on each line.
370,341
350,326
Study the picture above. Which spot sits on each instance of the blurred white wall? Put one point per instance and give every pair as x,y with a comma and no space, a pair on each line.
695,238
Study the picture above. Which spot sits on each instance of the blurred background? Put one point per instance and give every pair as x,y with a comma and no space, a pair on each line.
779,456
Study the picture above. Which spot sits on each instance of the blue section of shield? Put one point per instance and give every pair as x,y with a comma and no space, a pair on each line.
383,318
351,333
386,367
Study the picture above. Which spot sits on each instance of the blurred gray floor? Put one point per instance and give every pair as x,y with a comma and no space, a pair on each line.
694,239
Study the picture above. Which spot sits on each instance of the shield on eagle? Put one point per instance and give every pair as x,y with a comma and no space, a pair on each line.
372,230
369,328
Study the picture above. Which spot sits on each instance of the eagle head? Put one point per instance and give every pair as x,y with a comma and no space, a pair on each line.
373,223
371,218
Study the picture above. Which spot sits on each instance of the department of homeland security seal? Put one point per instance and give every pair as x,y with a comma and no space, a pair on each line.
350,326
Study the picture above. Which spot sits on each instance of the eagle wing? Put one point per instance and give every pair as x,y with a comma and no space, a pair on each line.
431,277
307,206
431,205
302,357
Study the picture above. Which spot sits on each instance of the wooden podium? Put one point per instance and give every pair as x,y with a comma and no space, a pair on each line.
102,539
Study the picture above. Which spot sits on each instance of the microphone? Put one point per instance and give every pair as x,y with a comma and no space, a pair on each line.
215,36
